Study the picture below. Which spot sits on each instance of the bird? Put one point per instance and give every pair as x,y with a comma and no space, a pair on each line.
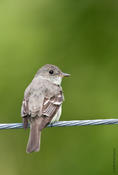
42,103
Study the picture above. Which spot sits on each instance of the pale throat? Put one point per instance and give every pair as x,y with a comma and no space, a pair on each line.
55,80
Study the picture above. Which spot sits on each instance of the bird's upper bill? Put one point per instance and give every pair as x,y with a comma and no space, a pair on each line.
65,74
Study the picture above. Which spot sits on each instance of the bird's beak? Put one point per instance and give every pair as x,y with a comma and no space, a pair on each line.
65,74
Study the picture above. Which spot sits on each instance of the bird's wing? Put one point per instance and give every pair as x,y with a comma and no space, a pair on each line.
50,108
24,108
50,105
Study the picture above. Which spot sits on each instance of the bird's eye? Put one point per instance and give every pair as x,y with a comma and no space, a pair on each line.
51,72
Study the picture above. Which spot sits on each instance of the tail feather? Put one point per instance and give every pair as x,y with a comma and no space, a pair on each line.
34,137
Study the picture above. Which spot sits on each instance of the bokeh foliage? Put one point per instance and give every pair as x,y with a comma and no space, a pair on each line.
81,37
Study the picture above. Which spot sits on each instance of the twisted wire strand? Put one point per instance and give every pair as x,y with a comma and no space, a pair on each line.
65,123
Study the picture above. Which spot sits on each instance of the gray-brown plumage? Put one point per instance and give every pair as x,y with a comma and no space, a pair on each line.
42,103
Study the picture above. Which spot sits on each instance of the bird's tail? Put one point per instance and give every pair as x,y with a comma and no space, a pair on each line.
34,137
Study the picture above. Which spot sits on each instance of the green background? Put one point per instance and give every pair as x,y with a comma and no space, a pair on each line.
81,37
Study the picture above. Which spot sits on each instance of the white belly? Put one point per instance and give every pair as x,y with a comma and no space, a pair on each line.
57,115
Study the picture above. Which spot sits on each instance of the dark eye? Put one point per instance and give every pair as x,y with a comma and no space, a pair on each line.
51,72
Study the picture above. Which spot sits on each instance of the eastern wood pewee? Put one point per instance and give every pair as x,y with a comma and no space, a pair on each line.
42,103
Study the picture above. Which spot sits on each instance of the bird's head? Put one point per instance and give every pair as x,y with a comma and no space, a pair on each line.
51,73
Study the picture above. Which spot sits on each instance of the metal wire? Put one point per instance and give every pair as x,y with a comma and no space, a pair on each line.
65,123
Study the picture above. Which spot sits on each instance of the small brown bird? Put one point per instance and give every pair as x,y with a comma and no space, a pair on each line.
42,103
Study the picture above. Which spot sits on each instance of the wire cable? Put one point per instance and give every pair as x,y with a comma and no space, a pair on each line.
65,123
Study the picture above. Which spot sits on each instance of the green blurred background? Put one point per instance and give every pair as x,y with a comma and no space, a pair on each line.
81,37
